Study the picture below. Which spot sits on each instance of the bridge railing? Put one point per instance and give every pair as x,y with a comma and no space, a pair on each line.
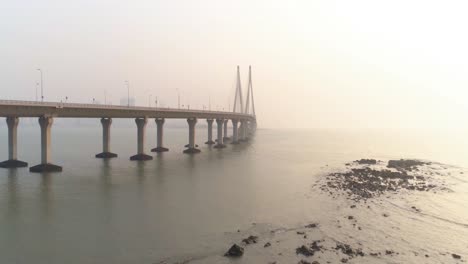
105,106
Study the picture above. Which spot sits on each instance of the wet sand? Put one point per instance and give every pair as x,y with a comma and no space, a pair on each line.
363,183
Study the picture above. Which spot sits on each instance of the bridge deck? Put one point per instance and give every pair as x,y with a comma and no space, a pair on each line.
70,110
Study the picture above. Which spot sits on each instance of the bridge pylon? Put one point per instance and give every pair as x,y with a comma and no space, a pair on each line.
250,96
238,99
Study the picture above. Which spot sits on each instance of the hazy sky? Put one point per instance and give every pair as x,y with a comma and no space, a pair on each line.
326,64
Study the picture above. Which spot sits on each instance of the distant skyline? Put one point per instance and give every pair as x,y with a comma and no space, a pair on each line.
316,64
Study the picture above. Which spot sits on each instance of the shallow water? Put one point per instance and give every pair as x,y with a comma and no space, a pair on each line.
181,208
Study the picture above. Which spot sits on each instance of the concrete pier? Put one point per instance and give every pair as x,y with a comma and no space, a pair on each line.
246,128
210,132
242,131
192,146
45,166
235,134
141,125
106,153
159,137
226,138
12,161
220,142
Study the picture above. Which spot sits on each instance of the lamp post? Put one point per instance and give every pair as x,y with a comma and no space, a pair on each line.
128,93
42,87
37,85
178,98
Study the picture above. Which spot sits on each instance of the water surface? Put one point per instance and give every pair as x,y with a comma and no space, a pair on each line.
179,207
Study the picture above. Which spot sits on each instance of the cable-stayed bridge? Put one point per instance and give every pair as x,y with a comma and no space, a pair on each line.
243,120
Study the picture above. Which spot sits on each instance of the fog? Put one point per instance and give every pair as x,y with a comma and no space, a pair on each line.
316,64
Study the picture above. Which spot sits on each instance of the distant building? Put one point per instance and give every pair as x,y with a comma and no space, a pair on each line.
125,101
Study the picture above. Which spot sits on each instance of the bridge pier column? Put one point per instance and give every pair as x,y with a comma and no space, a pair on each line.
242,130
45,166
12,161
220,124
235,135
247,130
226,138
141,125
159,138
106,153
191,145
210,132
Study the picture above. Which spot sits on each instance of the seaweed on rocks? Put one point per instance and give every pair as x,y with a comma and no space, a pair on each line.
348,250
310,249
366,161
364,182
406,164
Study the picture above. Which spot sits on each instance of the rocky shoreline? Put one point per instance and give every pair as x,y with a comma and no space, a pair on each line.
368,178
360,182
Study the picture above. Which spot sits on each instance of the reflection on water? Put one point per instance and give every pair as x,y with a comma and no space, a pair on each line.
46,196
13,201
117,210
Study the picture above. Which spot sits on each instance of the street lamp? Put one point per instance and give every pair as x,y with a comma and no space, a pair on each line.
42,87
178,98
128,93
156,102
37,85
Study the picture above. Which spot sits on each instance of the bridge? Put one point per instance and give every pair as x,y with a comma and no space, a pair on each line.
242,117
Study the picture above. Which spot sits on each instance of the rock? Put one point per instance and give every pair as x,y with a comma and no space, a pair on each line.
305,251
352,206
385,215
311,226
267,244
303,262
366,161
250,240
362,183
235,251
455,256
348,250
405,164
300,233
350,217
309,251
